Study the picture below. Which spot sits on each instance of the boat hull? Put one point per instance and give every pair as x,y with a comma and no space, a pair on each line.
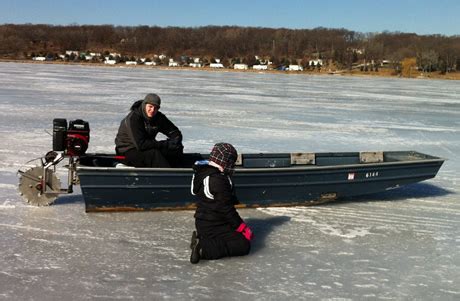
334,175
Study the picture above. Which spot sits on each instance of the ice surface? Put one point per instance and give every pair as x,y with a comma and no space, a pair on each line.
401,244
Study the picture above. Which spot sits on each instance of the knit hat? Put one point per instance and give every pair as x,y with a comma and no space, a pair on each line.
152,99
225,155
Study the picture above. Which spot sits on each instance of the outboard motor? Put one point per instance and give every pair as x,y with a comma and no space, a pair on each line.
72,140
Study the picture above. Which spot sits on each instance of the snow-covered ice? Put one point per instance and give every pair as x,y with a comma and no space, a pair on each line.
401,244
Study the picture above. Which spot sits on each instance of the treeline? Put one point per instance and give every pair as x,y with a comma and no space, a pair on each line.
341,47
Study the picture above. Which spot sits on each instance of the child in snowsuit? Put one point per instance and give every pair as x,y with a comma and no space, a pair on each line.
220,230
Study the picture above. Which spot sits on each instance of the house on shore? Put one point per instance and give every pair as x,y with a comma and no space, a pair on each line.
173,63
315,62
74,52
294,68
216,65
196,63
260,67
240,66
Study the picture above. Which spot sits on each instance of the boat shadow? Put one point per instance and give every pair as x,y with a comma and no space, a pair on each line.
262,228
412,191
69,199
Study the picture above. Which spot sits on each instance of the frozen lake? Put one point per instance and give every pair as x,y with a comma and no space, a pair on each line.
401,244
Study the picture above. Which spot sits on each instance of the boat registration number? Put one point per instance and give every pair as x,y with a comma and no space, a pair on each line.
352,175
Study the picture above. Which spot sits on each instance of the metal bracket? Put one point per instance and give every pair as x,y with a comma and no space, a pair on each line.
303,159
239,160
371,157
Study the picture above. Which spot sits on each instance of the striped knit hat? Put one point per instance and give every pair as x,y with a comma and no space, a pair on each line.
225,155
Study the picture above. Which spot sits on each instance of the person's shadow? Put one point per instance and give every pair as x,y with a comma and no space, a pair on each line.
262,228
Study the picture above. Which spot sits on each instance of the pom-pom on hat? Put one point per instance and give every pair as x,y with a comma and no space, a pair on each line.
225,155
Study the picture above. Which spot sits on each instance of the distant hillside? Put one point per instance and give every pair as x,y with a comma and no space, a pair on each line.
341,48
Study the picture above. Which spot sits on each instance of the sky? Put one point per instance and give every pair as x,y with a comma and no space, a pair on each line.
414,16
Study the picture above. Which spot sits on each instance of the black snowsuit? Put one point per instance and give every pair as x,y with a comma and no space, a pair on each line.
216,218
136,139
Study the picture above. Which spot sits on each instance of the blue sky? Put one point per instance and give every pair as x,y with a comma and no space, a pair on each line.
419,16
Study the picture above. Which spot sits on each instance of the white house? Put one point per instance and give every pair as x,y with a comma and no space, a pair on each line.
315,62
173,64
240,66
196,60
216,65
150,63
88,57
131,63
294,68
260,67
162,56
195,65
39,58
110,62
263,61
70,52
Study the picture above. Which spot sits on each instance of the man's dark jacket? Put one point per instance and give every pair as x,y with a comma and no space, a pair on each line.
138,132
216,197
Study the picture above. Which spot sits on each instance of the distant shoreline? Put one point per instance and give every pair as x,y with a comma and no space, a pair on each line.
383,72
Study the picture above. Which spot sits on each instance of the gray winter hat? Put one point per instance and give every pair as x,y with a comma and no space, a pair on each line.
152,99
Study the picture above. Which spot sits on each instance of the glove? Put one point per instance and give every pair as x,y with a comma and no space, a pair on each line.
246,231
171,144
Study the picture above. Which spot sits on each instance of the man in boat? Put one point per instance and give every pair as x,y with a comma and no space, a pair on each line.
136,137
221,232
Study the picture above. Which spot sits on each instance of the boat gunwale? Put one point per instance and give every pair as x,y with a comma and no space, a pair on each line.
130,169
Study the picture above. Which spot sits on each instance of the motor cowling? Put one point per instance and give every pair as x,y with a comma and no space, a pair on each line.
73,139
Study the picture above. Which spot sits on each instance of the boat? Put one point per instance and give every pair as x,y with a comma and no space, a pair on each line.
264,179
261,180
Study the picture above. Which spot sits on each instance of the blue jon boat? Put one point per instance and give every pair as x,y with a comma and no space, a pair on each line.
272,179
